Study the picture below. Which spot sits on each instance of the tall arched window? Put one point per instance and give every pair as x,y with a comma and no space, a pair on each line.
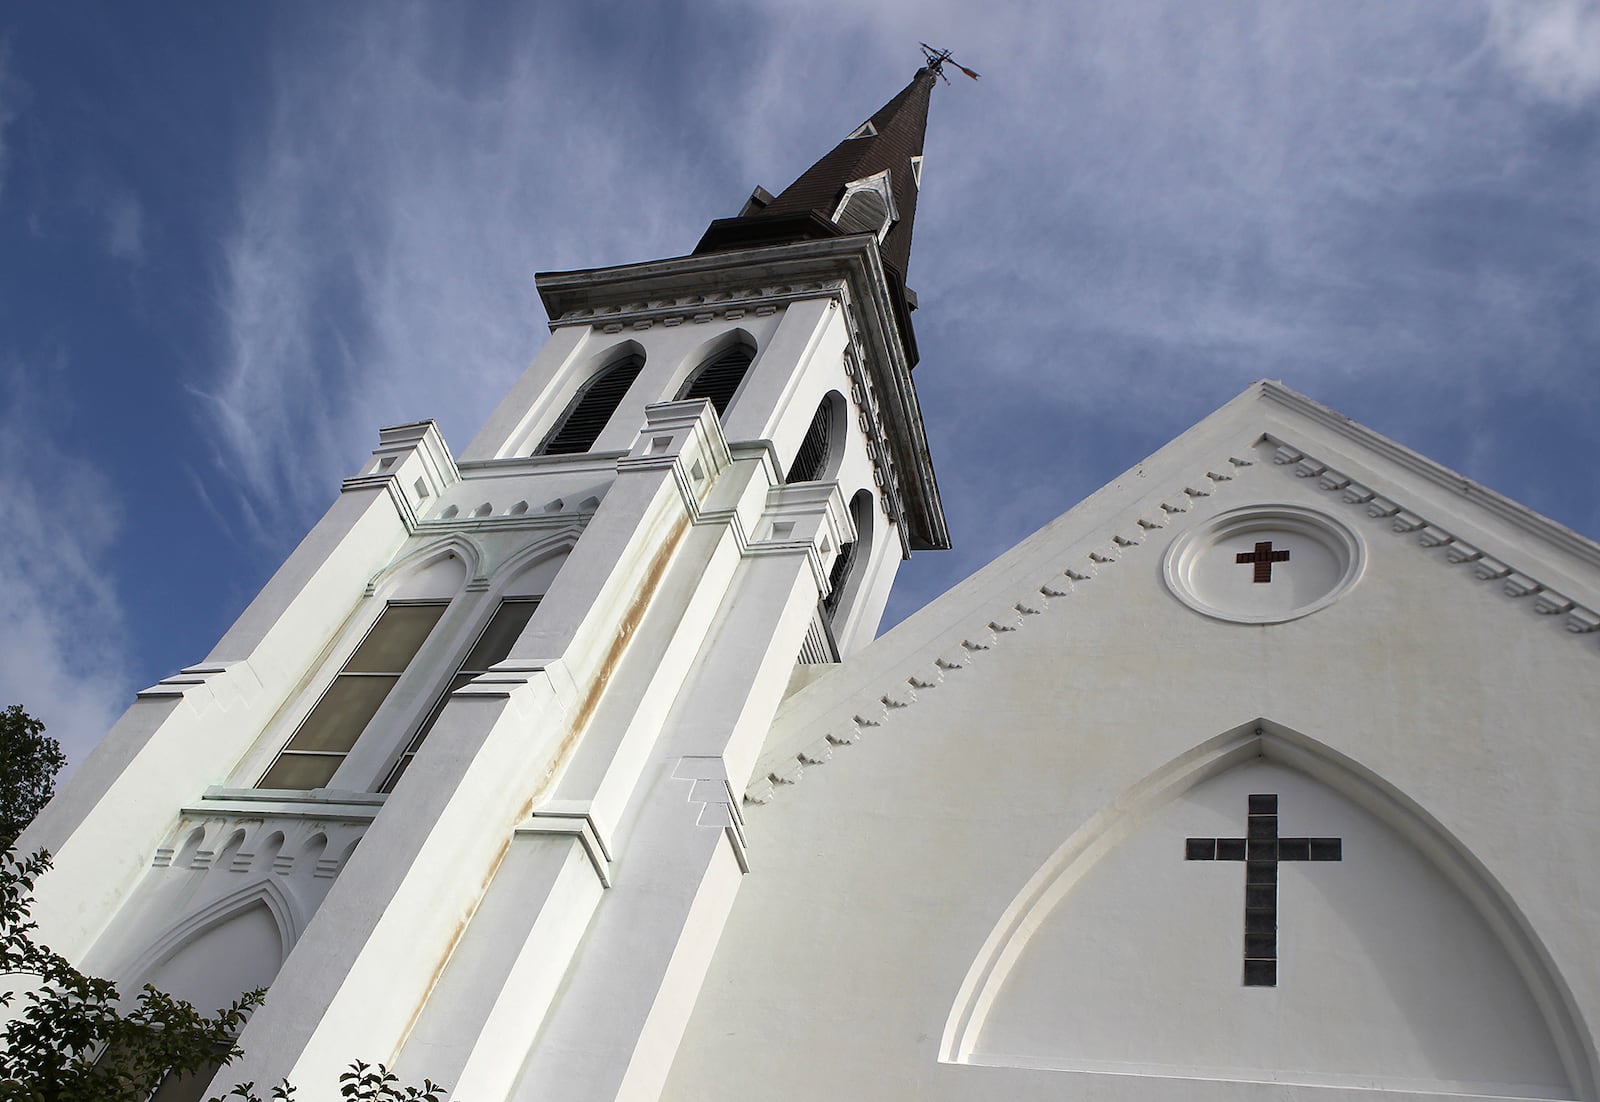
586,415
851,558
719,377
811,462
323,739
492,646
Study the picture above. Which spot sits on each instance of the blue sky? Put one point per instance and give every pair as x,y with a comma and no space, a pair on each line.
236,239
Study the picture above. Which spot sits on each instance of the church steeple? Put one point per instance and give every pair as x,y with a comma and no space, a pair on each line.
867,184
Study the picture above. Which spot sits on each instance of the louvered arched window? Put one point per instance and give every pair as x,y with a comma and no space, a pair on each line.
719,377
586,415
811,461
845,564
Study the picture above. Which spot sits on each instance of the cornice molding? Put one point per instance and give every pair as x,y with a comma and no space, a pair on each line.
1548,599
848,270
1498,505
786,764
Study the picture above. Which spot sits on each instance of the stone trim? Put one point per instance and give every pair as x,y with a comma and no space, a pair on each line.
732,304
339,828
719,807
864,394
574,818
218,680
1500,506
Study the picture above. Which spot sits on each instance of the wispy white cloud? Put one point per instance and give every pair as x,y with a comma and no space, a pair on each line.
1139,208
380,267
1553,46
62,638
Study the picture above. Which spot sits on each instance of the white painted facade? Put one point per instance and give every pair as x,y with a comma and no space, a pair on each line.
678,576
969,874
600,877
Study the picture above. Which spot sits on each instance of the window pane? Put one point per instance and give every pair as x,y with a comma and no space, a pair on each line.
344,710
495,643
395,638
301,771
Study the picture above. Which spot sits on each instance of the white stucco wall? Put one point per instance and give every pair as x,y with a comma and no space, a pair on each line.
1031,732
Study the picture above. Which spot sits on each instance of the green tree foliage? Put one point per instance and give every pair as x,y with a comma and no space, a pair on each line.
73,1040
29,762
362,1083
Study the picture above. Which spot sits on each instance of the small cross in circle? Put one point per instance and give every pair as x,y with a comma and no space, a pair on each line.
1262,557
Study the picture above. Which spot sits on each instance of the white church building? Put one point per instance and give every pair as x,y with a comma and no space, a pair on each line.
569,766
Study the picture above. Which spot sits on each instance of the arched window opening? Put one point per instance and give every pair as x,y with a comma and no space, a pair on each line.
811,461
319,745
851,558
843,563
591,408
719,377
492,646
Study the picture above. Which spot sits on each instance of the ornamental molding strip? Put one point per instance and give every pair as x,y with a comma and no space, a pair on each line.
487,515
1497,505
732,304
1548,600
874,707
863,393
310,841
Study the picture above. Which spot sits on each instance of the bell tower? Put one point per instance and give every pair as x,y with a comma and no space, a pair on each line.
462,785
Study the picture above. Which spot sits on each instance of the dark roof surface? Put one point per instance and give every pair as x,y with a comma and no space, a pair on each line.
900,125
804,209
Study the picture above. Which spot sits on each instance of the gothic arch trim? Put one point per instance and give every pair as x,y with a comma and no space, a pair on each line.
552,546
1262,738
422,558
280,905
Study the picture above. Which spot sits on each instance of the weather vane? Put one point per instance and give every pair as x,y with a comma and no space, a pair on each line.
937,58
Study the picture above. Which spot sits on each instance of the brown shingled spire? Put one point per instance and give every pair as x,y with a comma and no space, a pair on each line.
888,143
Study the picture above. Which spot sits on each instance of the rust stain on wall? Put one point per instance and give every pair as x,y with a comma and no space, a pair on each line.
629,623
456,934
649,584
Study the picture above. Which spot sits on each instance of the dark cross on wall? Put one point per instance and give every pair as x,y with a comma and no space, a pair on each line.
1262,557
1261,849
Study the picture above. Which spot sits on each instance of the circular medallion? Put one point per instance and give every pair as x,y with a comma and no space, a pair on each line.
1264,564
